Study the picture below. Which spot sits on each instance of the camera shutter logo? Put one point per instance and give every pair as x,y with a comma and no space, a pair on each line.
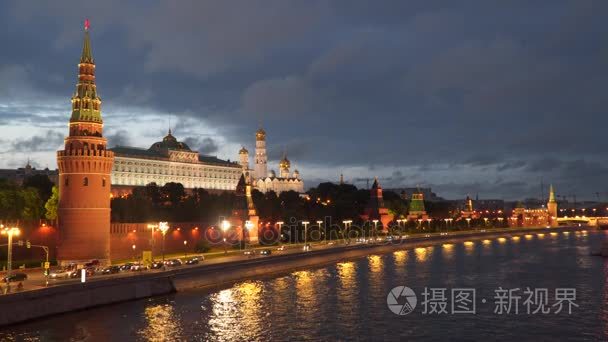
401,300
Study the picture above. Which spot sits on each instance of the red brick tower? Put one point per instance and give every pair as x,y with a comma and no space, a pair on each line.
84,173
375,209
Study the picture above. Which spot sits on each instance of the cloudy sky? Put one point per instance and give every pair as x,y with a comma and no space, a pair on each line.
466,97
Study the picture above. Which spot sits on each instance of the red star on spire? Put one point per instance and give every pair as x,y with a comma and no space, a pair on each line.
87,24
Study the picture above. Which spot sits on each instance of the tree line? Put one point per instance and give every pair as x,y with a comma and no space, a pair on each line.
27,201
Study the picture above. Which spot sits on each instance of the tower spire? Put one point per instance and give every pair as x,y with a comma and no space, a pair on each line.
87,56
551,194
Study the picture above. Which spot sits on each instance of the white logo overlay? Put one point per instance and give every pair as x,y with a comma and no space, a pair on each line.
401,300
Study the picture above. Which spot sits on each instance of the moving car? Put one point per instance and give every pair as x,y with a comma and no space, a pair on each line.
126,267
138,267
266,252
15,277
249,252
156,265
192,261
63,273
281,248
306,247
111,270
173,262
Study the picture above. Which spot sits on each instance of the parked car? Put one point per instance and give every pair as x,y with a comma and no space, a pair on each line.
192,261
111,270
63,273
126,267
15,277
281,248
307,247
249,252
156,265
265,252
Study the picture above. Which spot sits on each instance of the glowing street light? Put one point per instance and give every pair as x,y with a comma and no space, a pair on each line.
10,232
319,223
225,225
152,227
163,227
185,249
376,227
305,223
248,227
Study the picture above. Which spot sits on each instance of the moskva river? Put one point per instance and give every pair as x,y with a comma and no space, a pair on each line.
528,287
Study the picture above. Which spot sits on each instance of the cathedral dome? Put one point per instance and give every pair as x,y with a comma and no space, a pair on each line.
284,163
272,174
243,151
260,134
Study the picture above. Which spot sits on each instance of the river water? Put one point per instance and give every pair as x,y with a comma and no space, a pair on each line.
348,300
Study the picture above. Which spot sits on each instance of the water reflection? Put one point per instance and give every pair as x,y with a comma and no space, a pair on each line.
529,236
162,323
375,263
469,247
515,238
236,312
421,254
400,257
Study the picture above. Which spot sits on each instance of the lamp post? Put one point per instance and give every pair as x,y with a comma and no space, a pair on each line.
185,249
134,255
152,227
305,223
375,232
10,232
280,232
225,225
163,227
319,223
248,226
468,222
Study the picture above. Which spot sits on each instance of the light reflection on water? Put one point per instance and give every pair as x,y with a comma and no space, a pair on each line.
347,300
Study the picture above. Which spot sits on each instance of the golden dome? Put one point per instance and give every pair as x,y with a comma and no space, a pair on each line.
243,151
284,163
260,134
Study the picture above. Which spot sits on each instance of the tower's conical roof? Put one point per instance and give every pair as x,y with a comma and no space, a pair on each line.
551,194
87,55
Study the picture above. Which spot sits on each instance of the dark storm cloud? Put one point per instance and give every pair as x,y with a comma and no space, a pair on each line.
206,146
47,142
118,138
500,90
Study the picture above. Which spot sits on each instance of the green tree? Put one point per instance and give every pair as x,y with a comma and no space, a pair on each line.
31,204
42,183
52,204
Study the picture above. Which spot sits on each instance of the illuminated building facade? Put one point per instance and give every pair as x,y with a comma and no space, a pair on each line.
168,161
269,181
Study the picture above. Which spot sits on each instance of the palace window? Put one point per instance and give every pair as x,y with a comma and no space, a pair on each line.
66,182
85,181
103,182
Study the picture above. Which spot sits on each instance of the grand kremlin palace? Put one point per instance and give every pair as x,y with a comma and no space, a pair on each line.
168,161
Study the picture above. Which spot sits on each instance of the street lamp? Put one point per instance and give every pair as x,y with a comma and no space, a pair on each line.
185,249
10,232
134,255
152,227
468,222
319,223
225,225
248,226
280,233
376,227
163,227
305,223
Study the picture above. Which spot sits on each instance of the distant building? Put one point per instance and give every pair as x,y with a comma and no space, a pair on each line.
21,174
168,161
539,216
416,209
263,180
468,212
375,207
406,193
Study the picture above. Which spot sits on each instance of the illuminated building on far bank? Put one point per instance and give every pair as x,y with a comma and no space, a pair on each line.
544,216
264,180
168,161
